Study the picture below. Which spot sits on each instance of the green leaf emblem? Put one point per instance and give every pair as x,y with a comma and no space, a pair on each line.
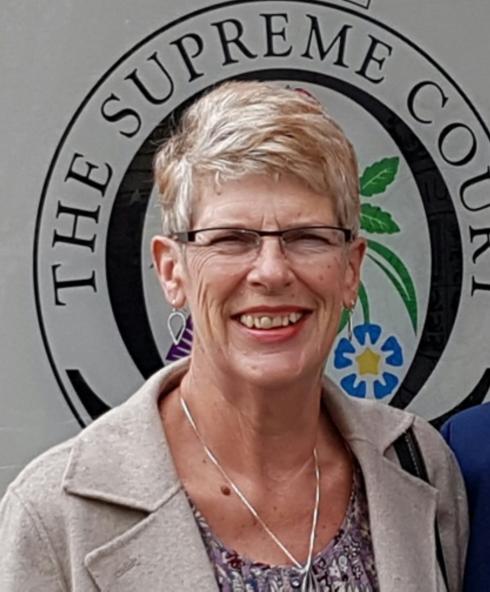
376,177
375,180
398,274
376,220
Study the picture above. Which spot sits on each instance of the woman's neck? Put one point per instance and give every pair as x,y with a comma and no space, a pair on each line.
255,431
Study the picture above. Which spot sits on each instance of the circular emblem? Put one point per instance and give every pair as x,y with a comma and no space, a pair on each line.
424,177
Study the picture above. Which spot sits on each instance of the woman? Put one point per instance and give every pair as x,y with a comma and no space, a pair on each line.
242,467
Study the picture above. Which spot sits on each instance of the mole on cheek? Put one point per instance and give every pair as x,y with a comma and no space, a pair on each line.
225,490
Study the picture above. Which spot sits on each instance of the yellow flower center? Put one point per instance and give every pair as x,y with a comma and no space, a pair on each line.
368,362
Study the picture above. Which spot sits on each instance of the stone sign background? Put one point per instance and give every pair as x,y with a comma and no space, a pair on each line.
88,90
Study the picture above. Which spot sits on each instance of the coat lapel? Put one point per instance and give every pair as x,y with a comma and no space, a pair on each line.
402,508
402,512
123,460
163,552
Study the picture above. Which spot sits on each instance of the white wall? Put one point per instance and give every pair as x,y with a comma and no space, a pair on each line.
52,54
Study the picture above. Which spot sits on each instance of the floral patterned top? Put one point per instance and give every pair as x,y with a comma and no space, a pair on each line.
346,564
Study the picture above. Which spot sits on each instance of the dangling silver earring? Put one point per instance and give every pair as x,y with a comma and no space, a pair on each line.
176,325
350,312
349,324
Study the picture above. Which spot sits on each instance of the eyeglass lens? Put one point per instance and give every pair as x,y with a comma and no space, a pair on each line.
295,241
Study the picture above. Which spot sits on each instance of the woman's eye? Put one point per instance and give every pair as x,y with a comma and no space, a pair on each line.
309,239
229,238
232,239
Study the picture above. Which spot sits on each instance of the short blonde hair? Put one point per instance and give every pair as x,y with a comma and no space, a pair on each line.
242,128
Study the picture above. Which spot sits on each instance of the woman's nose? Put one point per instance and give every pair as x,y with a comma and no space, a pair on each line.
271,268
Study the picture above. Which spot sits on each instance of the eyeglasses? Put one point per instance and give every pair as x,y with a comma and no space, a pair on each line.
301,242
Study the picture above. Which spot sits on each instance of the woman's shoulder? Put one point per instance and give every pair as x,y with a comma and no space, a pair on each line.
41,479
84,491
46,472
99,448
122,458
376,422
433,447
34,505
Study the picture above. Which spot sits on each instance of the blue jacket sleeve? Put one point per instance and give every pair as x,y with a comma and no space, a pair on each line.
468,434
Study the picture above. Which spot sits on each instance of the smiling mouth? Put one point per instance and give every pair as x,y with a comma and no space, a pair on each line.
268,321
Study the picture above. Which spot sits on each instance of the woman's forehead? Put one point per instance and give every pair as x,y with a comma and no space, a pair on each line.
259,199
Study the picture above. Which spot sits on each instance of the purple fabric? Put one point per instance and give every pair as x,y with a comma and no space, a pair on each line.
346,564
183,348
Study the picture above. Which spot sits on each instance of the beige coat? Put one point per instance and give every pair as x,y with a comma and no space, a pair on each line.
105,511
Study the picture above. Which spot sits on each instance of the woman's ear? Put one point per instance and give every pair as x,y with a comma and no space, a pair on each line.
168,263
355,257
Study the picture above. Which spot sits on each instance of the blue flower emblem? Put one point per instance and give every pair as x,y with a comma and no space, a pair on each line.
369,361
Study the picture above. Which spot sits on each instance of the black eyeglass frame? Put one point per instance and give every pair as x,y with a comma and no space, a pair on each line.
189,236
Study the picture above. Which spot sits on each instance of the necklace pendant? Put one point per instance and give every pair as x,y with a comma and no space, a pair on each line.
310,583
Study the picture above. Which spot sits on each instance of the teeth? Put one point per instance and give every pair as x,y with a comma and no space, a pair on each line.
247,320
265,322
277,322
268,322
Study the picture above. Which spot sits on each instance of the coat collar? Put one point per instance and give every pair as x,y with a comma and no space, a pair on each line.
131,436
402,508
359,420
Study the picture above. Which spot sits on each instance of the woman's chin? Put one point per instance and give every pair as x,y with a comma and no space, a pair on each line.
271,371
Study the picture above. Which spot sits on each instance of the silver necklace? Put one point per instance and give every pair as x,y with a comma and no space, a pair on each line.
309,583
